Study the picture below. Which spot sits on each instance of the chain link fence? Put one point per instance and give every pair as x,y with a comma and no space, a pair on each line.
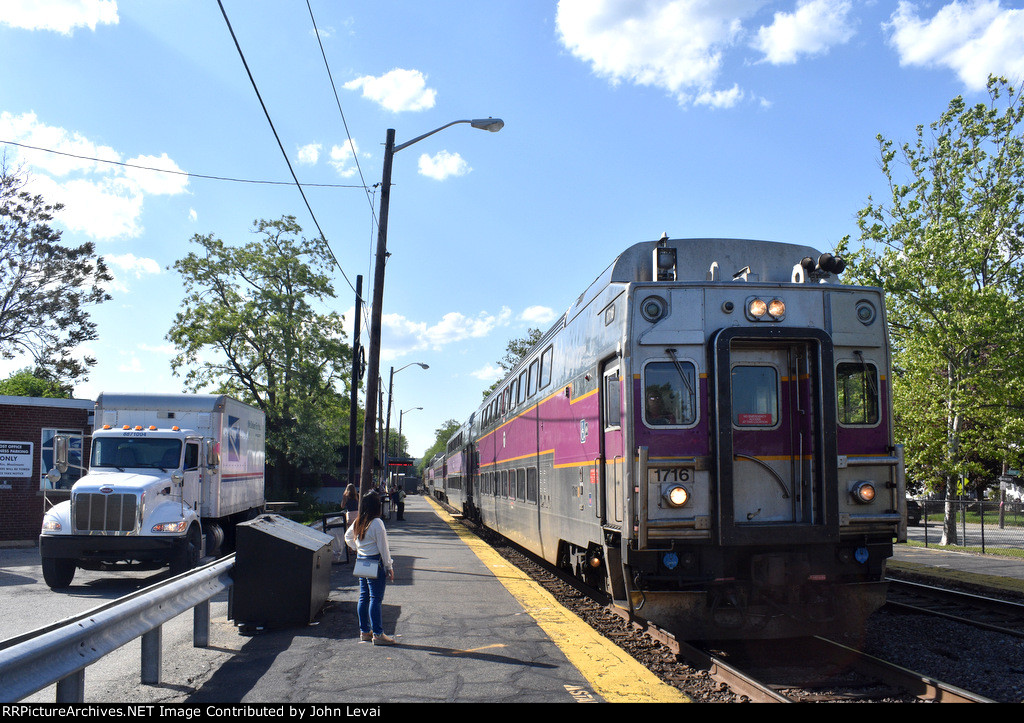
978,525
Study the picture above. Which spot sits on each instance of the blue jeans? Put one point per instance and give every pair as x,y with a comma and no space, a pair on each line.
371,597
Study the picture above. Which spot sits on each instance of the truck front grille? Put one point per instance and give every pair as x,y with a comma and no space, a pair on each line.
105,512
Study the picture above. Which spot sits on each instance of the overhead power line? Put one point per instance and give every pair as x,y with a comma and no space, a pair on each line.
284,153
177,173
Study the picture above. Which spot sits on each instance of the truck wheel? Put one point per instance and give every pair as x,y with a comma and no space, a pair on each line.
188,557
58,572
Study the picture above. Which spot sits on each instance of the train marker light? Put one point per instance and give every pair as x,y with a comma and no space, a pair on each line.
863,492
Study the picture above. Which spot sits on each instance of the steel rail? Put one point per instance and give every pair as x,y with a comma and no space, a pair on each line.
60,652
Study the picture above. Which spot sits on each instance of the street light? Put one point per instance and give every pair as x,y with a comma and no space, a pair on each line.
387,423
373,377
400,414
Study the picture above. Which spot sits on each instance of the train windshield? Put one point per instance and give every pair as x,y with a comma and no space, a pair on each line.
857,388
669,396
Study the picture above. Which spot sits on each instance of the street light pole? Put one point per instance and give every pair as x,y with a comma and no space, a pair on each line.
373,362
387,422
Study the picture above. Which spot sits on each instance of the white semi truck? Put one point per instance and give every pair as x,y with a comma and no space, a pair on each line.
170,475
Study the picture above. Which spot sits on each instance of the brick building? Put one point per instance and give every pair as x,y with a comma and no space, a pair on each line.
27,428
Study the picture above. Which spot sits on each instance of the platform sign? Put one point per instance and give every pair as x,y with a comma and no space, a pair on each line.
15,459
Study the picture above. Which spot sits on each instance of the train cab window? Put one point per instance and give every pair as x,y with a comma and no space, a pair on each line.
670,397
755,396
857,392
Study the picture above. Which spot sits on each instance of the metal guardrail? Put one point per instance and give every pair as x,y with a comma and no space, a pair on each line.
60,653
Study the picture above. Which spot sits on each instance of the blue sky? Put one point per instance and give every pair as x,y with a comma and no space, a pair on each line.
624,119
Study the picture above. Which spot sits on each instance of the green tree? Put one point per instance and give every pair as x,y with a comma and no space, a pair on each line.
46,286
515,350
948,250
441,436
26,383
248,327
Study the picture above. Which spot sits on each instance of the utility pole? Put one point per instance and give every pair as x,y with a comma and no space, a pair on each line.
353,408
373,363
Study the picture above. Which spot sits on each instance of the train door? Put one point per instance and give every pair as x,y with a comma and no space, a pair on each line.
776,436
611,466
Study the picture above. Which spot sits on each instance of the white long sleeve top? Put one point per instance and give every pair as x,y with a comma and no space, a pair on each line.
374,542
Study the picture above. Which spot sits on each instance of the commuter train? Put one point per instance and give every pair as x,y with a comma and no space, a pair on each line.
706,436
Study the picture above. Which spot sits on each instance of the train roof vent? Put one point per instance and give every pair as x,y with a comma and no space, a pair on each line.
745,274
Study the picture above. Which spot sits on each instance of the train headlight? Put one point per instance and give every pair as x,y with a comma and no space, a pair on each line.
863,492
676,496
762,310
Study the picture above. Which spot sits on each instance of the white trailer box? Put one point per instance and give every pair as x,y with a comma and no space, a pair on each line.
169,475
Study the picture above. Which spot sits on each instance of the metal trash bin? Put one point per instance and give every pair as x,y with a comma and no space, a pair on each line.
282,573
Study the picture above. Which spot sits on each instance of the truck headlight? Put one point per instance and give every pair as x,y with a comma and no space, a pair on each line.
179,526
51,525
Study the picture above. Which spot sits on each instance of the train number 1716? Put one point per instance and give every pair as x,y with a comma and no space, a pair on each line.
669,474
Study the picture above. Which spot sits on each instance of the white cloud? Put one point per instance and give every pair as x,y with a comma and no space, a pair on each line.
974,39
129,265
309,154
157,182
676,45
101,199
442,165
489,373
400,335
134,366
61,16
538,315
812,29
343,159
720,98
396,90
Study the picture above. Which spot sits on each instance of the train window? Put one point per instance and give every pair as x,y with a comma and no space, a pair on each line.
521,484
612,400
857,390
522,388
504,483
545,366
755,396
670,397
531,484
534,377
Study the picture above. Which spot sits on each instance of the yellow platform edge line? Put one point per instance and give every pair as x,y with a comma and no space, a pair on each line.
610,670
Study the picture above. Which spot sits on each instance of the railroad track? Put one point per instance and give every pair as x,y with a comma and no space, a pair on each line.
769,676
999,616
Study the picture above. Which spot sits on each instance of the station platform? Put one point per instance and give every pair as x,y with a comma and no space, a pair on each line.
999,572
470,629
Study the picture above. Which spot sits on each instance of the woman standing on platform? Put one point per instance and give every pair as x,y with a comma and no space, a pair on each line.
350,506
370,540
